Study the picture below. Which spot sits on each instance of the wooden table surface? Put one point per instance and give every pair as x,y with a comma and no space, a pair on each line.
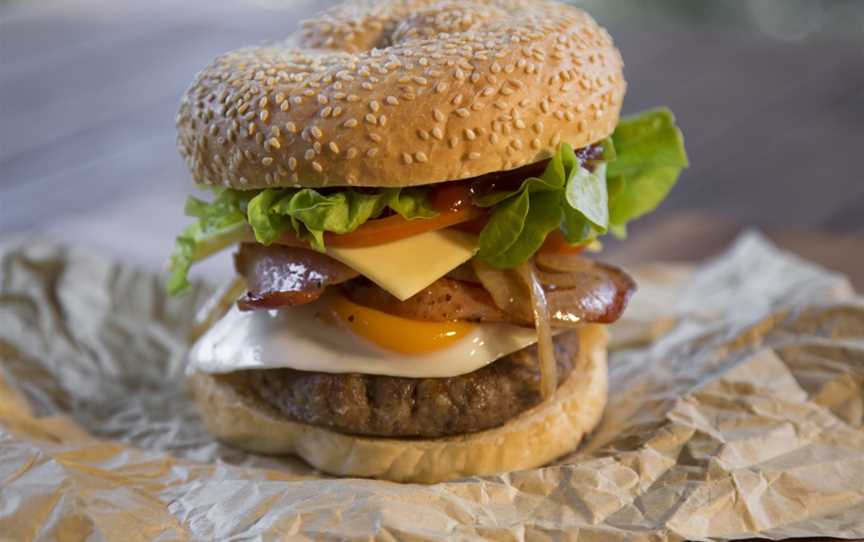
88,91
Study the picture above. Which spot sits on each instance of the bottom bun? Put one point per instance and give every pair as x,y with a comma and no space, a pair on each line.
531,439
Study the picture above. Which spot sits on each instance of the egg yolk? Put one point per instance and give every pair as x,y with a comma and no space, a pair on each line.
396,333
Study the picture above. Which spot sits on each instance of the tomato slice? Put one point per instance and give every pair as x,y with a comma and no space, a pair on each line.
555,243
391,228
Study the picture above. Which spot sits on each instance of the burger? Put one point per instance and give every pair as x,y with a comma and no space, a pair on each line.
415,192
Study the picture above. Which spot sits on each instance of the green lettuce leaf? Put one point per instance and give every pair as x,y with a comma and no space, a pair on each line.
650,155
218,225
271,213
411,203
565,196
309,213
586,193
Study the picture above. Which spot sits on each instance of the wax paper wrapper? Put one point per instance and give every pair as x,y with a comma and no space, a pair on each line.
743,418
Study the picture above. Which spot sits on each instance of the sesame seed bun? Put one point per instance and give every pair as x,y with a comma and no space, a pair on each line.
403,92
532,439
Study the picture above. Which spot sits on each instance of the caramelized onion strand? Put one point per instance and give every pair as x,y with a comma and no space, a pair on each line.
545,348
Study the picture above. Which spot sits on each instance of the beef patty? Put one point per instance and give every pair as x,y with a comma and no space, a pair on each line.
389,406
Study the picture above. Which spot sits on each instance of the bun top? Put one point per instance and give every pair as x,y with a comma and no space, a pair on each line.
401,93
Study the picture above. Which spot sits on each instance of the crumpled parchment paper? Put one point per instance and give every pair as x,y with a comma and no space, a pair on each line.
746,418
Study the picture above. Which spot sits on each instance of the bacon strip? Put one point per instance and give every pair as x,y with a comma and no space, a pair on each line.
597,293
444,300
278,275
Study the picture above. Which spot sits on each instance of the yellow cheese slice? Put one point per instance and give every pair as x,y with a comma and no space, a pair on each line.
406,266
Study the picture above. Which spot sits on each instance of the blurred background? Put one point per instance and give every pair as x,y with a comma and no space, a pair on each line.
769,94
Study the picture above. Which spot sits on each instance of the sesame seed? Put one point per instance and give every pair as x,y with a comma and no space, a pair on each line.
440,87
350,123
422,134
309,154
391,100
517,144
462,112
316,132
438,115
267,161
273,142
374,106
317,167
291,127
285,106
454,141
370,118
406,158
351,153
437,133
473,155
326,111
535,143
420,156
264,115
375,137
334,148
292,163
262,103
382,120
372,152
470,135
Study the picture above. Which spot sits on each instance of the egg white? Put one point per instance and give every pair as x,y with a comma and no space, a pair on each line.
309,338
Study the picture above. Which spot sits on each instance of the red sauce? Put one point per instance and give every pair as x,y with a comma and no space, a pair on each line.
451,196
